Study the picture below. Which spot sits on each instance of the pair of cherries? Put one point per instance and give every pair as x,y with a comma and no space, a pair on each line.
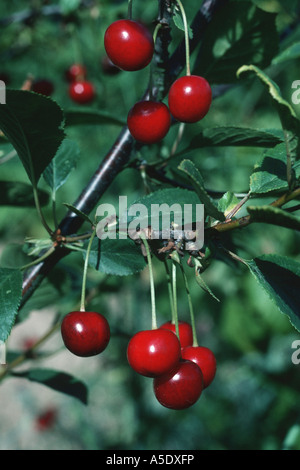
180,370
130,46
81,90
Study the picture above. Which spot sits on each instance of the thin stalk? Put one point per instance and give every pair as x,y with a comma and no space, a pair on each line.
129,12
157,28
38,260
186,37
174,283
152,288
192,317
170,290
39,210
86,263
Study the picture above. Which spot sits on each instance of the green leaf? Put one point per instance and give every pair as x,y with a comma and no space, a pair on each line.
240,33
58,381
274,216
270,174
227,203
289,121
177,18
193,174
292,52
10,298
279,276
59,169
116,257
78,212
33,125
20,195
161,208
76,117
69,6
233,137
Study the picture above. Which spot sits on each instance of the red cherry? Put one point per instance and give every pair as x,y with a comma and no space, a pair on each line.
153,352
129,44
205,359
181,388
43,87
82,92
85,333
190,98
76,72
185,332
149,121
46,419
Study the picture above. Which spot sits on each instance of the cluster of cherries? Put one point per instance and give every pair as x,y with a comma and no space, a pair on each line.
130,46
181,371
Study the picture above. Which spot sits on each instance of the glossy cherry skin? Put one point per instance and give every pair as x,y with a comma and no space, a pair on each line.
43,87
185,332
149,121
82,92
76,72
129,45
181,388
152,353
85,333
205,359
190,98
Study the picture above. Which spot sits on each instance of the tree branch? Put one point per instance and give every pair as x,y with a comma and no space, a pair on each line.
119,155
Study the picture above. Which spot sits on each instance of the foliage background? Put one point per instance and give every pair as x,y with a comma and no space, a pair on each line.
254,400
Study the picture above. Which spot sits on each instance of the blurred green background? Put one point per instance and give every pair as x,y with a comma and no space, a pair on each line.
254,401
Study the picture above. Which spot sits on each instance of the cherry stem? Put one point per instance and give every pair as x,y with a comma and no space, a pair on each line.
186,37
170,290
86,263
152,288
174,282
129,14
195,341
40,259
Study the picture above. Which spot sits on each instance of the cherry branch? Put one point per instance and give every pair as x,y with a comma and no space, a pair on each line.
119,155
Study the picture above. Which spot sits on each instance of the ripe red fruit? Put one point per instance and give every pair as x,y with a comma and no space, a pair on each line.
129,44
153,352
185,332
43,87
85,333
181,388
190,98
205,359
82,92
149,121
76,72
46,419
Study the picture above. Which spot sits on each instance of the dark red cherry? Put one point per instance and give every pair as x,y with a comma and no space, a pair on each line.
85,333
181,388
82,92
153,352
190,98
149,121
185,332
129,44
43,87
205,359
